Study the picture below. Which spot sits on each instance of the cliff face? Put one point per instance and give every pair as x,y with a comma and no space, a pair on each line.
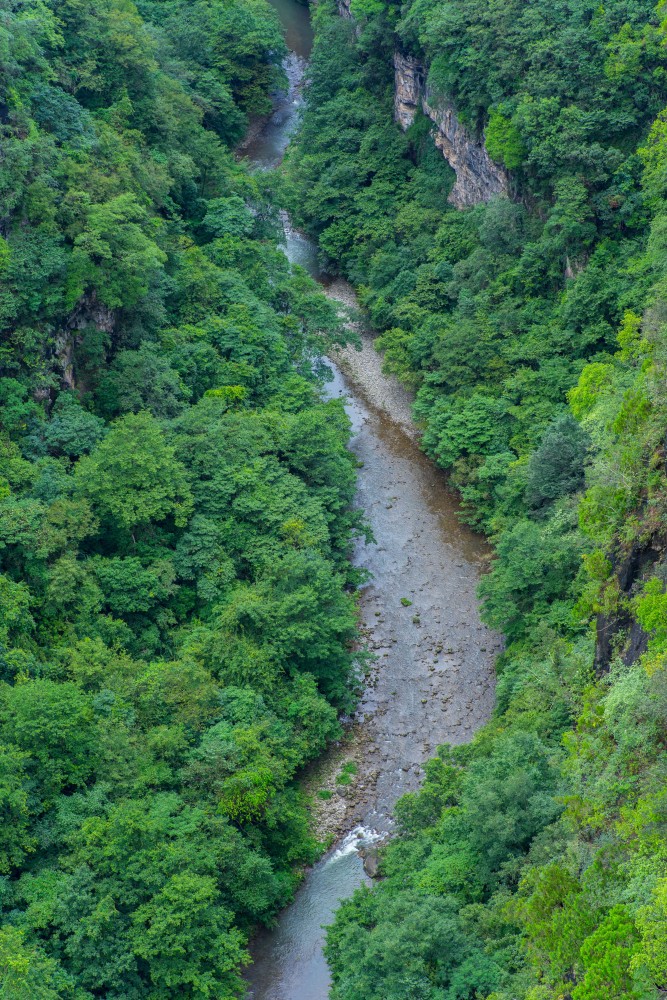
478,178
409,87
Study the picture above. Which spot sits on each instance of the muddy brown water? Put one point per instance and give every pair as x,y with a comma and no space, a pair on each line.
432,678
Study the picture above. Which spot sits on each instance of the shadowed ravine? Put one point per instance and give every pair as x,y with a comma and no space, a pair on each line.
432,681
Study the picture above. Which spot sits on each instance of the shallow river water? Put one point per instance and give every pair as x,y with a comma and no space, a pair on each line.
432,679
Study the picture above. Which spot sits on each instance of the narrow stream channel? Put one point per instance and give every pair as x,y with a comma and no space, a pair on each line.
432,682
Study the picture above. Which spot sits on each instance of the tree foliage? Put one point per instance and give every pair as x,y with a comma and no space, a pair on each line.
532,329
177,616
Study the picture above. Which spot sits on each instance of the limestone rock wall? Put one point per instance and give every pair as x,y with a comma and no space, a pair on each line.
478,178
88,312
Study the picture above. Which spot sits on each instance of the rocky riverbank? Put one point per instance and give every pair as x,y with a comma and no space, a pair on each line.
431,679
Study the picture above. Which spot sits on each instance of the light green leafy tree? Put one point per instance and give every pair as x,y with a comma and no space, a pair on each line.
184,935
134,477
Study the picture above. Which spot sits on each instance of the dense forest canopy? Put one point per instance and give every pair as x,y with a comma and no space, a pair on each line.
177,607
176,604
533,864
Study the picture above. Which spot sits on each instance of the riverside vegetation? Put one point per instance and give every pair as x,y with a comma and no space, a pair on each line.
533,863
177,608
176,601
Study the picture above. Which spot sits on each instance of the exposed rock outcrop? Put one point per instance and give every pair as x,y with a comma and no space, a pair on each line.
344,9
64,344
88,312
409,88
91,312
478,178
618,633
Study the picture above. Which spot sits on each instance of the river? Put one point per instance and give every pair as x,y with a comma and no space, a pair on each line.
432,680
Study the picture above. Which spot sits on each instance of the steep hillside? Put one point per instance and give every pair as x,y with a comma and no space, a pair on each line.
176,603
532,326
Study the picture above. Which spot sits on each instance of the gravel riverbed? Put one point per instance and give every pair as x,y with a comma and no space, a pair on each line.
432,679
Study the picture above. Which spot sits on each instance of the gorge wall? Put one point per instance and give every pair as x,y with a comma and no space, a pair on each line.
478,178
